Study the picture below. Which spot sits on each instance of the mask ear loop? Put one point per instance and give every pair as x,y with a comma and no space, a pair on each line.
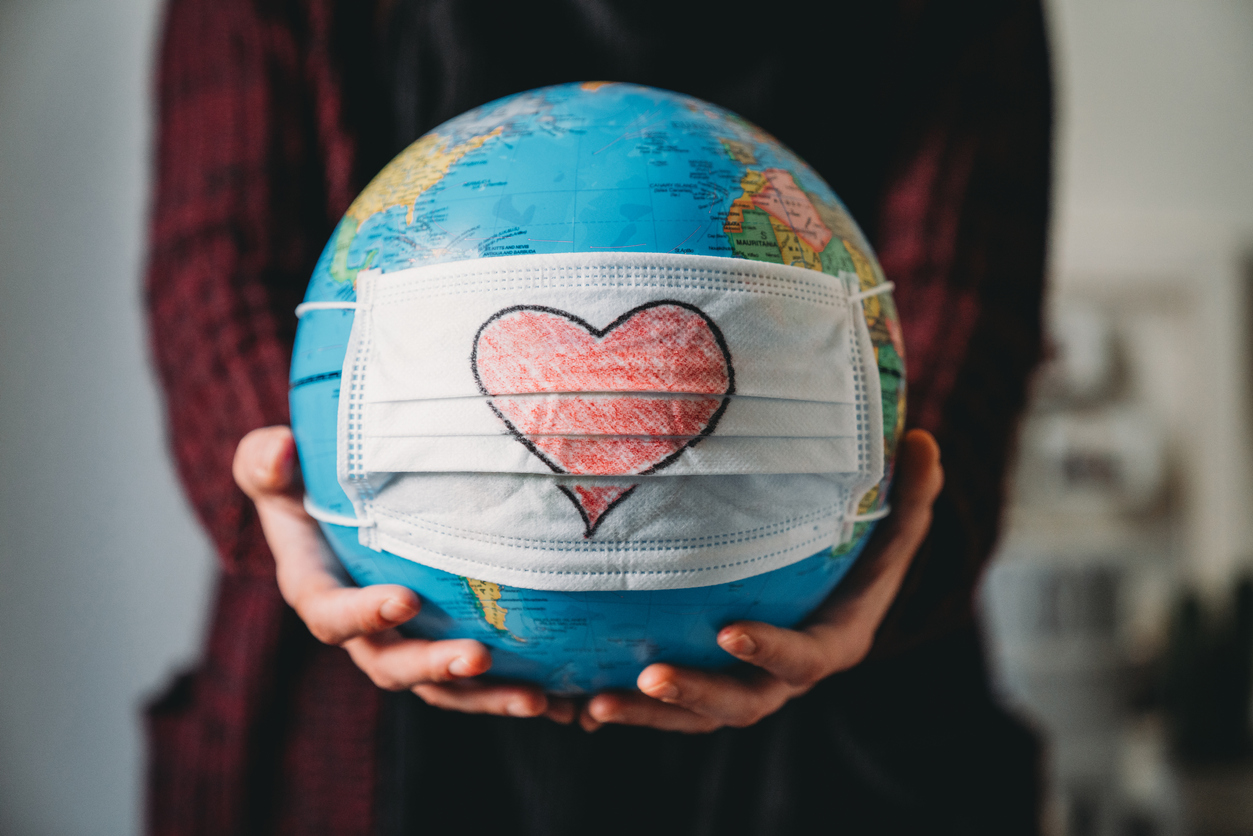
877,290
871,516
322,515
304,307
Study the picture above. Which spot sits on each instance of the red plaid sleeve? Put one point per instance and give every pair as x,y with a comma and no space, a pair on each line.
273,732
252,166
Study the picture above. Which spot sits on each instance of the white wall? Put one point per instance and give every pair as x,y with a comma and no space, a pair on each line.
103,573
1157,114
1155,131
1155,194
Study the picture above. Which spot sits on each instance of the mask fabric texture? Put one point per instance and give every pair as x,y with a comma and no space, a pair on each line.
608,422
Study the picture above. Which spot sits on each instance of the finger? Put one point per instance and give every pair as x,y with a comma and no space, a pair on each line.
875,579
265,470
847,623
334,613
728,700
481,698
922,474
841,634
561,710
586,721
919,481
798,658
265,463
395,663
633,709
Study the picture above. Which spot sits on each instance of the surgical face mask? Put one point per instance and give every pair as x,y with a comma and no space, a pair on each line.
592,422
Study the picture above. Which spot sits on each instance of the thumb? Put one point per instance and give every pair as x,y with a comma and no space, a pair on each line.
265,464
920,476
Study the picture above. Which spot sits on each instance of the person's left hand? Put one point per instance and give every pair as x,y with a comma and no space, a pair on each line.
787,663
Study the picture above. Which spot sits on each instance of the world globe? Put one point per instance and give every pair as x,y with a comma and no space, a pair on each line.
583,168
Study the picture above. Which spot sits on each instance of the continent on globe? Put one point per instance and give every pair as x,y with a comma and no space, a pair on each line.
399,184
487,597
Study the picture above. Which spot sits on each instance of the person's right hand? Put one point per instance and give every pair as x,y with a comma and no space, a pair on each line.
363,620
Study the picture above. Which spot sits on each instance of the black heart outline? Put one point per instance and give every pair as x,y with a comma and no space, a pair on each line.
599,333
589,527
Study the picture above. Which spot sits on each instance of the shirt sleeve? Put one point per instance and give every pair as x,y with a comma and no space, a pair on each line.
252,166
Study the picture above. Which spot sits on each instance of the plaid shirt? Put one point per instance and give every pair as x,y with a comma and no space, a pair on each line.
258,155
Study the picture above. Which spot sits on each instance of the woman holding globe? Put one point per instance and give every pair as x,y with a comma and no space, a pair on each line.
873,715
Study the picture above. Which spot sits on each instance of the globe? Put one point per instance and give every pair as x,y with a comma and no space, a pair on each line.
585,168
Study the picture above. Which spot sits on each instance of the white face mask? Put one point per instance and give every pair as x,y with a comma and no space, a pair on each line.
607,422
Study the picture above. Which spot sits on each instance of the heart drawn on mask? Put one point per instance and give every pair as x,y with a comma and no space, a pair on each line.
623,400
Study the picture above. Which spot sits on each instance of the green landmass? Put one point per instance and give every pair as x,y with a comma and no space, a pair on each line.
756,239
835,258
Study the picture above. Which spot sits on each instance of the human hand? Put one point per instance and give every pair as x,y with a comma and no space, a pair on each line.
787,663
363,620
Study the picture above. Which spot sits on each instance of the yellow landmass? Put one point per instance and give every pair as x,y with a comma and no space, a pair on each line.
796,253
870,501
866,279
593,86
488,596
865,271
416,169
752,182
881,315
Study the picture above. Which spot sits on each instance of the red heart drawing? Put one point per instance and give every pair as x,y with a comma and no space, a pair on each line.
623,400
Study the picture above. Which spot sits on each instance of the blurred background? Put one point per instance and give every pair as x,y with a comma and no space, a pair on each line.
1118,613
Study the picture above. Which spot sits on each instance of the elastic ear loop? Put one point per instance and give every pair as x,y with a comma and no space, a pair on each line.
872,515
857,297
322,515
304,307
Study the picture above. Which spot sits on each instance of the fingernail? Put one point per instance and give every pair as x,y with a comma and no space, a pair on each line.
460,667
664,691
395,610
739,644
275,462
283,453
520,708
603,714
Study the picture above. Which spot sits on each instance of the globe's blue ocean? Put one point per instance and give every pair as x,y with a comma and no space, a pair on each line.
577,168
